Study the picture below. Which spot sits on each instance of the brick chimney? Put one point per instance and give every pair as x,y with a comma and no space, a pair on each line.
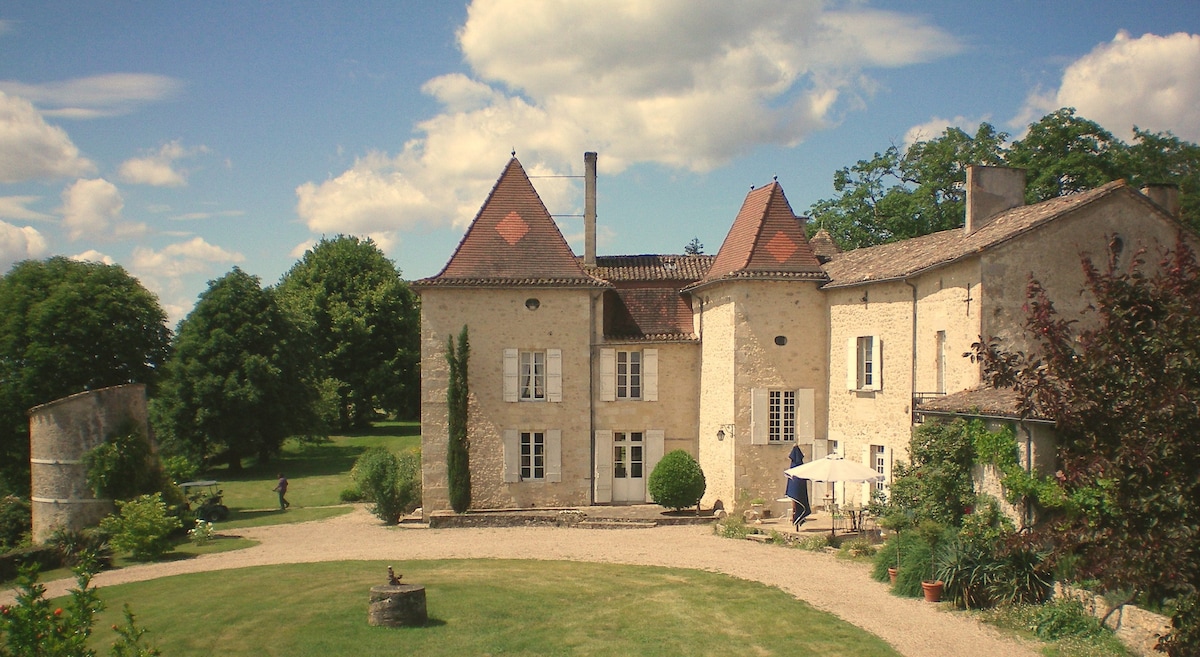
1166,196
589,209
990,191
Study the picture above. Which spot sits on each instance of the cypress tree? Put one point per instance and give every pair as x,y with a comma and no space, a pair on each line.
458,466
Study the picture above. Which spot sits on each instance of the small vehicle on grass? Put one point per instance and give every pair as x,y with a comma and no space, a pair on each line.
205,498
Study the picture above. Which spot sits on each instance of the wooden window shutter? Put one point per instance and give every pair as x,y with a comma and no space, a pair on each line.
876,363
512,456
655,441
869,461
806,411
510,375
603,482
608,375
759,432
554,375
554,455
650,374
852,363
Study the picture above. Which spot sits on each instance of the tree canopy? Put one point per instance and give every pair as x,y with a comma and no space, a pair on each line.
236,385
67,327
903,193
363,325
1122,386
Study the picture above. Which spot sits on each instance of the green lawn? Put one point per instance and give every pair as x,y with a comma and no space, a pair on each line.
480,607
317,474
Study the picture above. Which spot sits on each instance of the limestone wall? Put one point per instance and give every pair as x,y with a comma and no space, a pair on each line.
744,324
498,320
61,432
1052,255
676,412
925,355
715,319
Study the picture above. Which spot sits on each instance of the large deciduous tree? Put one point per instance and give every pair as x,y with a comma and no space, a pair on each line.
363,324
904,193
1122,385
236,383
66,327
900,194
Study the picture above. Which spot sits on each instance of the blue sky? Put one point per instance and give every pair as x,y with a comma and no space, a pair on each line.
182,139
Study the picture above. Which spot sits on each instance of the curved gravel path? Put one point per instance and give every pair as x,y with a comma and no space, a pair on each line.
913,627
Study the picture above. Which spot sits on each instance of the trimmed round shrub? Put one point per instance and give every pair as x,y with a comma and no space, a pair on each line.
677,481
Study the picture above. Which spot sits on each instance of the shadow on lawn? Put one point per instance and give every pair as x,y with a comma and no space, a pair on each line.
310,460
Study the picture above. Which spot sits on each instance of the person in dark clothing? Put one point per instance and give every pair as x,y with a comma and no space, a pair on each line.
281,488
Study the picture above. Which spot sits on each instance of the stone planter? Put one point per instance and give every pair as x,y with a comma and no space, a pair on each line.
397,605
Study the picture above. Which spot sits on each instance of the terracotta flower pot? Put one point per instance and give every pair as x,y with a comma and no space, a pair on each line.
933,590
892,575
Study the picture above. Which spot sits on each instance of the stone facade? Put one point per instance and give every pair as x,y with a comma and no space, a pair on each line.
738,357
60,433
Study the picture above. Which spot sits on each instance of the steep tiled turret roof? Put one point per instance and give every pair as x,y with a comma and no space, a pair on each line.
513,241
913,256
766,241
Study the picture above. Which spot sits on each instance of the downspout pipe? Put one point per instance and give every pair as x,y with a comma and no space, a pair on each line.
912,388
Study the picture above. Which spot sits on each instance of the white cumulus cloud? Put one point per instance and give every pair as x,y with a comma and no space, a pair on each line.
163,271
92,255
158,168
17,207
19,243
935,127
683,84
97,96
92,209
1151,81
31,149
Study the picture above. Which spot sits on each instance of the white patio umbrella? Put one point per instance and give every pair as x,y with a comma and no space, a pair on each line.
834,468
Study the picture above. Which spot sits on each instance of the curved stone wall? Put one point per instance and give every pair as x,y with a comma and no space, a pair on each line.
60,433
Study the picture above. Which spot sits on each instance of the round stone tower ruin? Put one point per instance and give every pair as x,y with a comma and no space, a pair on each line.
60,433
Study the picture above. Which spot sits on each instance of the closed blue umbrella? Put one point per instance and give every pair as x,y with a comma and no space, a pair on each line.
797,490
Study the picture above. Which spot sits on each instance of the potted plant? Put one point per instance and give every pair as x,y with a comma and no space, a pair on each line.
895,521
931,533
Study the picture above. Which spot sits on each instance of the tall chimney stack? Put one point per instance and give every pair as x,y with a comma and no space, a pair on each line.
990,191
589,209
1166,196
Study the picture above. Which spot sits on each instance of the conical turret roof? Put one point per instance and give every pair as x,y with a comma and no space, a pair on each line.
513,241
766,241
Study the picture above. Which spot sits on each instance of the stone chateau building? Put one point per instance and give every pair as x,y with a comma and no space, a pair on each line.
585,370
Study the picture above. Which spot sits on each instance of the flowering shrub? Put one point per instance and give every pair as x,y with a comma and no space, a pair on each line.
33,628
202,533
141,527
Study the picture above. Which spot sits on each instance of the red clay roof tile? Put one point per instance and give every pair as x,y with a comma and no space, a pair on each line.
513,239
766,241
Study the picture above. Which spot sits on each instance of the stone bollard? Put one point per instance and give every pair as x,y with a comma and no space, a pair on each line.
397,605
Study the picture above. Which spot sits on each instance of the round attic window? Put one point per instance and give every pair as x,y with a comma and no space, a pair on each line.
781,340
532,304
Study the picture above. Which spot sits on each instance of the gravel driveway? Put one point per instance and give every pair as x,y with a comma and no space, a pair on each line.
913,627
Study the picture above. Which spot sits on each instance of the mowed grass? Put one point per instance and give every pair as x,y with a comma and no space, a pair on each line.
317,473
480,607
